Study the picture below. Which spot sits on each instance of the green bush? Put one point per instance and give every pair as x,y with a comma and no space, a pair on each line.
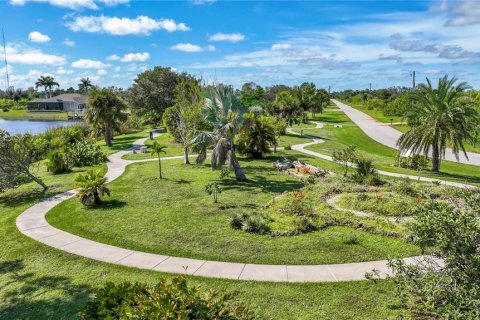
85,154
399,106
366,173
415,162
58,162
256,224
374,104
173,299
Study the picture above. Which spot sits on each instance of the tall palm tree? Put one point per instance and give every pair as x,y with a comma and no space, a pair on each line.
47,82
84,85
224,112
105,111
288,105
440,117
157,149
52,83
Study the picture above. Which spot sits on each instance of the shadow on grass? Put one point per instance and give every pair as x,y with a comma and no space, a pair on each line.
110,204
29,296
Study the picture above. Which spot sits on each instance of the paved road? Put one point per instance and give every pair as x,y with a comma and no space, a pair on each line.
386,135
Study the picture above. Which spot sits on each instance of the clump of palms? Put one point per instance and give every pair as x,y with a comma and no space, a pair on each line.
157,150
91,185
440,117
257,134
224,112
47,82
105,111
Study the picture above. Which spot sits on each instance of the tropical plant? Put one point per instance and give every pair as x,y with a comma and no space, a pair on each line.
213,189
91,185
251,94
310,99
84,85
257,135
288,106
189,104
174,299
83,154
47,82
17,155
157,149
105,111
58,162
200,144
365,172
440,117
224,113
345,157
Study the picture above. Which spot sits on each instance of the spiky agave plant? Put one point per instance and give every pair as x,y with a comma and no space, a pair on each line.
91,185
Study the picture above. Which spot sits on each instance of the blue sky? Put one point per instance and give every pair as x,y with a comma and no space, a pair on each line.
342,44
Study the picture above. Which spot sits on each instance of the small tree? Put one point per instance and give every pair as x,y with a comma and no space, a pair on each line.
157,149
214,190
345,157
91,185
17,154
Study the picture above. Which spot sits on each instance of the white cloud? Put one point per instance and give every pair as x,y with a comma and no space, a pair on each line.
461,13
68,4
28,56
141,25
113,57
88,64
63,71
117,69
36,36
210,48
102,72
200,2
186,47
69,43
73,4
281,46
227,37
130,57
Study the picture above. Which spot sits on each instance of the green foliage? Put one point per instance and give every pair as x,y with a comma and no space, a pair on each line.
251,94
105,111
6,104
352,239
432,290
214,190
345,157
365,172
91,185
173,299
440,117
170,119
47,82
374,104
399,106
257,135
225,173
415,162
58,162
287,106
85,154
158,149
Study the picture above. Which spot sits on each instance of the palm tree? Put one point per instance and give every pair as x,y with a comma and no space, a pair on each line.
47,82
91,185
105,110
439,117
200,144
84,84
224,113
157,149
288,105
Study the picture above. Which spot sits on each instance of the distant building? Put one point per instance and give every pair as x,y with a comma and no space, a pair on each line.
68,102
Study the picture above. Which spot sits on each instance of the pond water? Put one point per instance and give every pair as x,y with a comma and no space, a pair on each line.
31,126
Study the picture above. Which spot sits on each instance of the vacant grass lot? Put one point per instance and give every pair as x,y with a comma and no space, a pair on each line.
174,216
39,282
382,156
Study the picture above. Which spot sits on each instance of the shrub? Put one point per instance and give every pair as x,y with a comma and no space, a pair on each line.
84,154
237,221
366,173
288,147
256,224
173,299
374,104
405,187
415,162
58,162
91,185
257,135
214,190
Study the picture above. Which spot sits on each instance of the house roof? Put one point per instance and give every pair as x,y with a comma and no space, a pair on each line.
67,97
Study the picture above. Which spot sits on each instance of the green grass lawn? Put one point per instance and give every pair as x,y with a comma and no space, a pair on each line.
383,156
173,149
176,217
377,114
25,115
121,142
40,282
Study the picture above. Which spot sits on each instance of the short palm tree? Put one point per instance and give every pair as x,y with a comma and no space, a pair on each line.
440,117
158,149
91,185
105,111
84,85
224,112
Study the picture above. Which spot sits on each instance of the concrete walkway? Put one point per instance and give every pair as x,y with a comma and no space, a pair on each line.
33,224
389,136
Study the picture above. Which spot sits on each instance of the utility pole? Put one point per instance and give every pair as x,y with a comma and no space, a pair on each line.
413,79
6,63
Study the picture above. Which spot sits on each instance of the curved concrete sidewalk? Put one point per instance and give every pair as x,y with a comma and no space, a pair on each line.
389,136
33,224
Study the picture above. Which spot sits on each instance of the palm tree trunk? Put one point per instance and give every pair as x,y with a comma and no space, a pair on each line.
185,156
108,134
435,158
160,167
239,175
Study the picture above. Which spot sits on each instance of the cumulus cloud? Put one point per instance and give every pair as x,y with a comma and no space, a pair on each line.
113,57
130,57
63,71
281,46
141,25
88,64
28,56
73,4
36,36
227,37
69,43
461,13
102,72
186,47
